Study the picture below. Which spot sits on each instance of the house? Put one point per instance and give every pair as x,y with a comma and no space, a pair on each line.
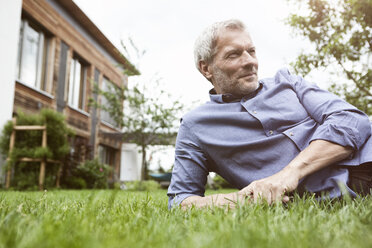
58,53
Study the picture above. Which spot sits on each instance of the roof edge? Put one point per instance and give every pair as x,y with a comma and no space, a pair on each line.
96,33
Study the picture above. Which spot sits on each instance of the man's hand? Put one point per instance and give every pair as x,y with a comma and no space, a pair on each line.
272,188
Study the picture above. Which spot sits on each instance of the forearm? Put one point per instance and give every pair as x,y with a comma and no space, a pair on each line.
317,155
215,200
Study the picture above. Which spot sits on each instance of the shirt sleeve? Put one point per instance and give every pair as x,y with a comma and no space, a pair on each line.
190,172
340,122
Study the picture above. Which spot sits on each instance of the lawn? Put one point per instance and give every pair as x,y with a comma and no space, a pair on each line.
139,219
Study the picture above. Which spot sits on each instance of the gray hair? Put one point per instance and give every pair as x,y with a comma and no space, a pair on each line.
205,44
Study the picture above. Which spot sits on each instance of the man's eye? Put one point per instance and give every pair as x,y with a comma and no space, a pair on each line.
233,55
252,51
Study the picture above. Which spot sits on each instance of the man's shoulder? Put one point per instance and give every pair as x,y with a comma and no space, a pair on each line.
198,113
281,76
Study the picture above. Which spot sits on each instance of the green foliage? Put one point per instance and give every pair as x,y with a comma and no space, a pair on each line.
28,144
148,114
141,219
94,174
74,182
26,176
148,185
115,97
57,133
341,32
147,120
5,138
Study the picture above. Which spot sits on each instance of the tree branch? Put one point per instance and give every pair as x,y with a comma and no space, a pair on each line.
350,76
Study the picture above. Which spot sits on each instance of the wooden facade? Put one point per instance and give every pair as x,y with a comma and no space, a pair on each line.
71,41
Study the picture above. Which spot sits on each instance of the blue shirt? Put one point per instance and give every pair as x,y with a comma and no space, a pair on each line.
253,137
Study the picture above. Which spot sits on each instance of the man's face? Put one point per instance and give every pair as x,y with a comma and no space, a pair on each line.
234,66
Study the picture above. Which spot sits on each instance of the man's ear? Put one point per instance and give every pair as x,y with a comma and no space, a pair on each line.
205,69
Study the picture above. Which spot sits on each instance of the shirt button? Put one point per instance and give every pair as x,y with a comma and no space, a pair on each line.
291,134
254,112
271,132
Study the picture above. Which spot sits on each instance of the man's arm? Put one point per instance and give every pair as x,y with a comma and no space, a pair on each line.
317,155
229,200
190,175
190,171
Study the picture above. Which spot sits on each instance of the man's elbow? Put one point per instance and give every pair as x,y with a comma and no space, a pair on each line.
364,130
346,152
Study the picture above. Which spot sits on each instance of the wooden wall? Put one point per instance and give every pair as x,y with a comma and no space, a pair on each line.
31,100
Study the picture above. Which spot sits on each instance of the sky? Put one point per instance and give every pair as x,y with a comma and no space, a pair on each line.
167,29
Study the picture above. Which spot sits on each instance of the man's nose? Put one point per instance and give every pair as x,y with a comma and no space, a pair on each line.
248,59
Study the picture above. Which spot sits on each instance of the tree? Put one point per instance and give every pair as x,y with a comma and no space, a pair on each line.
341,32
150,117
149,121
146,119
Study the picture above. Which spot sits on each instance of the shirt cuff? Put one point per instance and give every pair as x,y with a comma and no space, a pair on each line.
341,135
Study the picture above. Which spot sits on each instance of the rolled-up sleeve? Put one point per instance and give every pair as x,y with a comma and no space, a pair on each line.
339,122
190,172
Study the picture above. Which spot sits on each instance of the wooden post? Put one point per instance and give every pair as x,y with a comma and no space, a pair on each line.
11,145
59,175
43,162
83,152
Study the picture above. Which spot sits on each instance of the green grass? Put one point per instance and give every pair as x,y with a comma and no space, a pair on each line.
139,219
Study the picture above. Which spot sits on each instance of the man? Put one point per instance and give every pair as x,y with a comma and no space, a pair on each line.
266,137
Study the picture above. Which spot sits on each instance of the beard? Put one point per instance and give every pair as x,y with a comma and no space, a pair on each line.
226,84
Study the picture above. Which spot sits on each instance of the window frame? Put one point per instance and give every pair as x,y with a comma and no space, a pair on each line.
44,56
107,155
104,115
80,102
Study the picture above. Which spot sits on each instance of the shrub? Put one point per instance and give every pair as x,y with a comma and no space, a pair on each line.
28,144
80,151
26,176
149,185
94,173
75,183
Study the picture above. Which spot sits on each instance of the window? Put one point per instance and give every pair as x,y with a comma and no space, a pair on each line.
106,155
105,116
32,56
76,91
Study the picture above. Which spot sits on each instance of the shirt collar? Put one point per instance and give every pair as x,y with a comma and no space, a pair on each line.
227,98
